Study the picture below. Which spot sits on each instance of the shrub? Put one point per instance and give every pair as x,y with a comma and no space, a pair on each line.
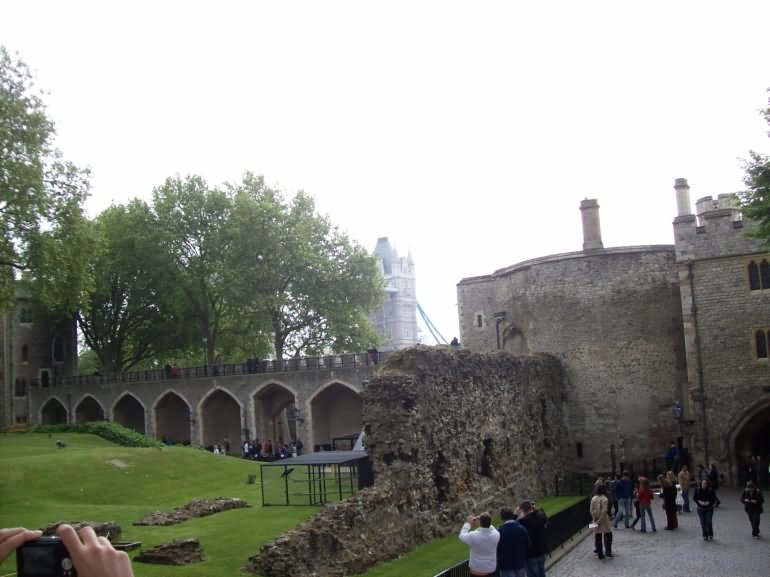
109,430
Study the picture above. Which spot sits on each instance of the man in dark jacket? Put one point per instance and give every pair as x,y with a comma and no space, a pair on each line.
624,490
534,522
512,547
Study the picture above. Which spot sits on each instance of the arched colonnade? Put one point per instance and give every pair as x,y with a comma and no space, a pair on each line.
272,411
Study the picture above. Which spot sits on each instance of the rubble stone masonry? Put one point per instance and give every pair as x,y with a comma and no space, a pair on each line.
449,432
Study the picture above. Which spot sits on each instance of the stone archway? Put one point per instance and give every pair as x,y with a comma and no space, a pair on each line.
221,420
750,437
53,412
88,410
336,412
274,405
129,412
172,419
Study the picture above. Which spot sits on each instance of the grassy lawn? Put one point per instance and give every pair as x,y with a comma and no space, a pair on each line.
40,484
432,558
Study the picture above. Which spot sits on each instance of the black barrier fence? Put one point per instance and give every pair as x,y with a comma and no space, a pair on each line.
562,527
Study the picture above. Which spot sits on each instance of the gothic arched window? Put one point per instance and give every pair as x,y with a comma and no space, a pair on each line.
761,343
754,276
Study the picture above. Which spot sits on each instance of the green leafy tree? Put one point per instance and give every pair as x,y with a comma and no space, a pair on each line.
131,314
756,197
193,221
41,196
311,287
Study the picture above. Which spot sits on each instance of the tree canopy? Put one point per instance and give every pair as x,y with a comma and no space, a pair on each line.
221,274
41,195
756,197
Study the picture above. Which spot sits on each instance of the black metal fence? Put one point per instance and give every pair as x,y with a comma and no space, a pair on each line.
562,527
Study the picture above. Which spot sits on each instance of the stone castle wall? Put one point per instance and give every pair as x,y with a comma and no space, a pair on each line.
449,432
613,316
718,253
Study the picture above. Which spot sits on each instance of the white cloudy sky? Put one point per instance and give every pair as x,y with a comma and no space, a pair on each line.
467,132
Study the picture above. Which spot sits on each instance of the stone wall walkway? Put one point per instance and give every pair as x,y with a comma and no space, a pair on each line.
732,553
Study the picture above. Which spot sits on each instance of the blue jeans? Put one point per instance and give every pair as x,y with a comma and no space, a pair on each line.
536,566
706,516
686,497
513,572
648,510
624,510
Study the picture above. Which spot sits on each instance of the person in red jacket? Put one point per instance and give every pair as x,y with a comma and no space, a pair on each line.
645,502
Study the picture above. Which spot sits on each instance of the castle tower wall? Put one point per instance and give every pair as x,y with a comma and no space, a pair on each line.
722,311
613,317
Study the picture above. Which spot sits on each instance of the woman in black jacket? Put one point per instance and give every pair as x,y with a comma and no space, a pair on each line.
669,504
752,500
705,499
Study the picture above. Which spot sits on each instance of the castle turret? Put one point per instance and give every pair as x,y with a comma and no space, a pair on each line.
592,230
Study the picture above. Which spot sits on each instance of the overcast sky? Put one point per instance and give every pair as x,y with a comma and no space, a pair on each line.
467,132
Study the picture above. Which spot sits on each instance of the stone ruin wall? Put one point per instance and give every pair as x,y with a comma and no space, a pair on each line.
449,432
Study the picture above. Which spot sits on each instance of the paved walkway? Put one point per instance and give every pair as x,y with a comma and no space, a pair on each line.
732,553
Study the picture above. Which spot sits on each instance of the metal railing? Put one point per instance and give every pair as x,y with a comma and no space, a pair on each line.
249,367
562,527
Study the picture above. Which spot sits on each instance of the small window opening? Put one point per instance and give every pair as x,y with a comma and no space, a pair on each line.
579,447
761,343
479,321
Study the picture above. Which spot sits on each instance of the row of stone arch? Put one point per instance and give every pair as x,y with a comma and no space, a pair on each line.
335,412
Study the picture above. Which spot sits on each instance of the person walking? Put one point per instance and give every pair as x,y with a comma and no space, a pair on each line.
669,503
482,543
645,502
705,499
624,490
535,522
601,521
512,547
752,500
685,479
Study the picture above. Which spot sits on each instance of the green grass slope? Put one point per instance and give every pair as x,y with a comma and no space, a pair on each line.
40,484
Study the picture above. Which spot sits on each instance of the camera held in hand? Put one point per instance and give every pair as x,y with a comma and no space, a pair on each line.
44,557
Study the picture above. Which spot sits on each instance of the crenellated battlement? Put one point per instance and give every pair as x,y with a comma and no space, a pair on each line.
717,229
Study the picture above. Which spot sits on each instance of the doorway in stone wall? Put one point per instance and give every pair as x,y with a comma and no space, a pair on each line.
752,438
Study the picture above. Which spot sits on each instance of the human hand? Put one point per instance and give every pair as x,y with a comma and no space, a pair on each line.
94,556
12,539
470,519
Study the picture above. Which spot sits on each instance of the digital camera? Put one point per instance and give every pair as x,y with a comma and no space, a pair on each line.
44,557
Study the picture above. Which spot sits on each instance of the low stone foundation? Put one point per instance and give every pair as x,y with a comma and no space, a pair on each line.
195,508
449,432
179,552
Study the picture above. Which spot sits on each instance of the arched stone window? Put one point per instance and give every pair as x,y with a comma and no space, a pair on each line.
21,388
764,272
761,344
24,354
754,283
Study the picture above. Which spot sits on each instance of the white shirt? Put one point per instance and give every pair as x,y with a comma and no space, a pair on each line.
483,544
